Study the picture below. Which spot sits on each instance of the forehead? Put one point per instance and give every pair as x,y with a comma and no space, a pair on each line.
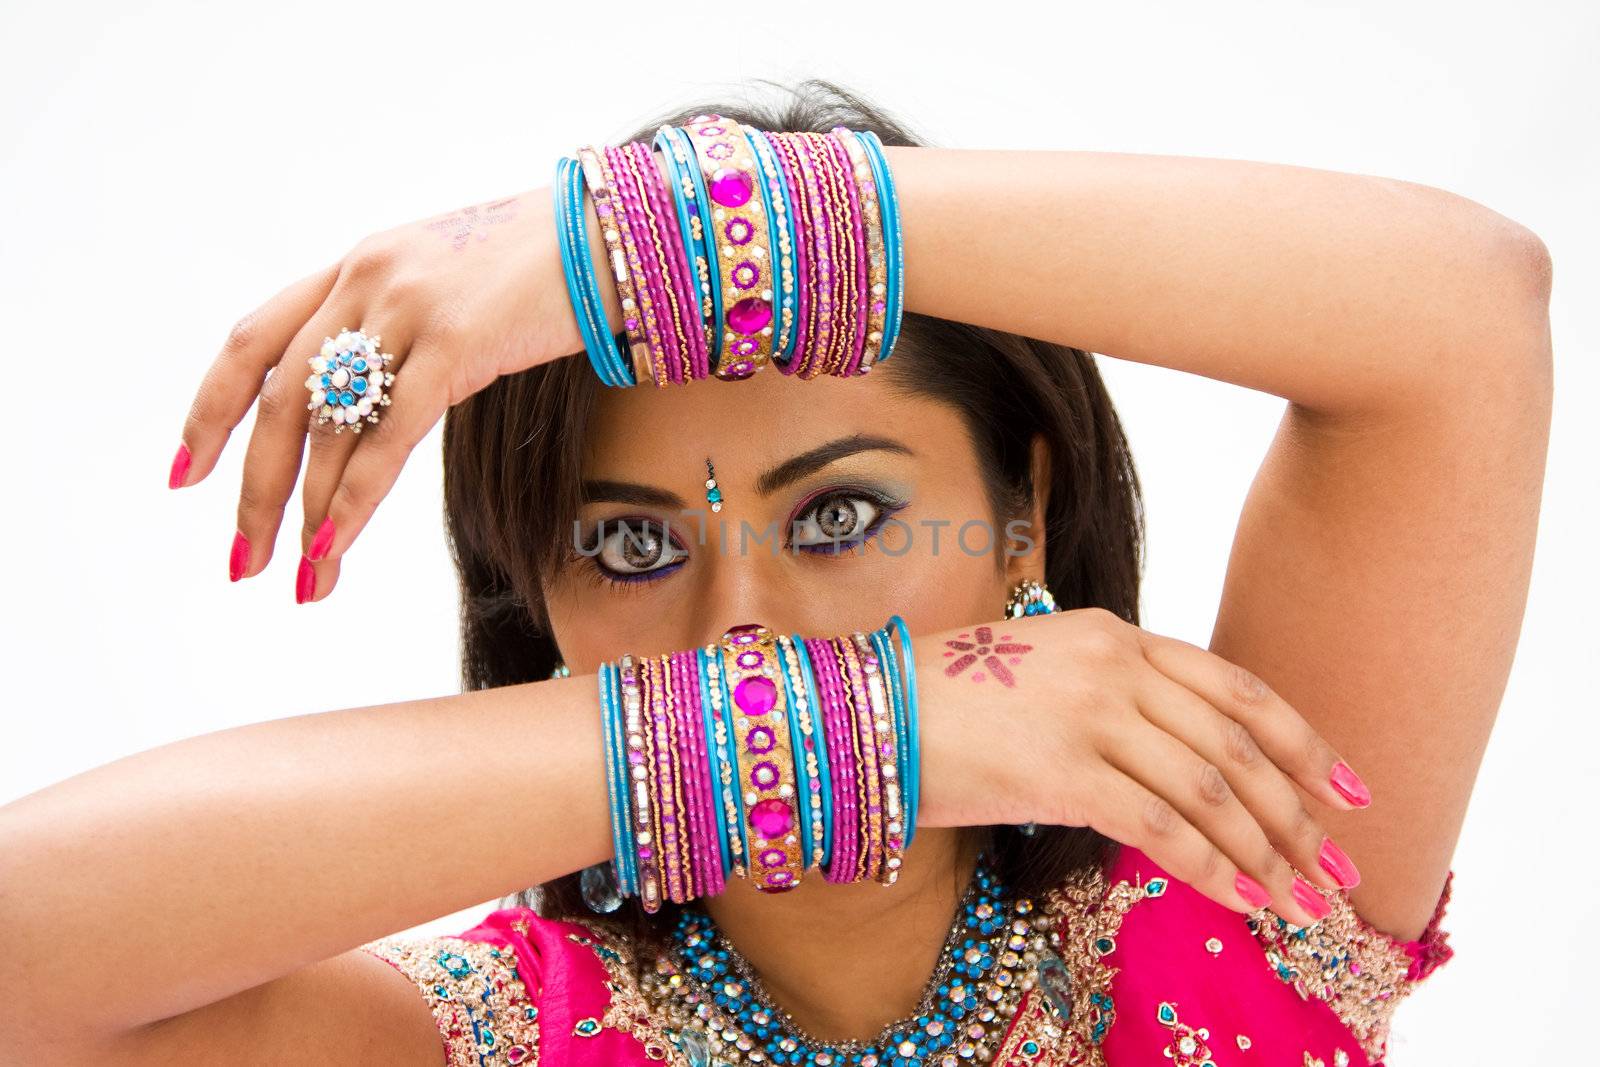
748,426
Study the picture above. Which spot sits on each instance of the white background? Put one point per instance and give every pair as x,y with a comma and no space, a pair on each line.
166,167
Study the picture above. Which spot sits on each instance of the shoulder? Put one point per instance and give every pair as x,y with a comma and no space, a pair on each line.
513,989
1157,968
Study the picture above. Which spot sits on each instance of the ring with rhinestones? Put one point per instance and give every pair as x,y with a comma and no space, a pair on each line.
348,383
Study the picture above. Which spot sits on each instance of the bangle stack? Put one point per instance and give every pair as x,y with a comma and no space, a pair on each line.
752,248
761,756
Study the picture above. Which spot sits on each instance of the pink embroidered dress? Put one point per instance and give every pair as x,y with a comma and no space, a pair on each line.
1155,974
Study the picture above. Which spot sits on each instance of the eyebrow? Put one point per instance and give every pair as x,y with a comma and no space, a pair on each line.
786,473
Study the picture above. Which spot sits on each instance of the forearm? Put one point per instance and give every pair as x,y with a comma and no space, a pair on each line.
1344,293
183,874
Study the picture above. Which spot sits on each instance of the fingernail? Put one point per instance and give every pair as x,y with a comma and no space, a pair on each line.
180,466
1350,785
1336,863
1254,893
239,557
321,542
1309,899
305,583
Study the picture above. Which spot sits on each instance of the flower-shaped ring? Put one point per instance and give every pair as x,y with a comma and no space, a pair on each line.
348,383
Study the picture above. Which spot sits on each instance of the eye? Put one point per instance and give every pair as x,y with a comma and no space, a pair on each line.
629,549
838,521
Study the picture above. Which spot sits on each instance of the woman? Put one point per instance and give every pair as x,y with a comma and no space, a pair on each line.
1240,854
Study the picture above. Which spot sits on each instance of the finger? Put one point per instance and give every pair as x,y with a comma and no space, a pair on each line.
1281,731
1138,816
278,439
1262,787
254,346
314,581
420,397
333,442
1198,794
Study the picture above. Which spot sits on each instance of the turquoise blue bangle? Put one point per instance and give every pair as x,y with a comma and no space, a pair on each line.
802,778
820,739
578,265
913,769
710,240
580,308
693,248
890,671
780,234
712,753
615,777
889,208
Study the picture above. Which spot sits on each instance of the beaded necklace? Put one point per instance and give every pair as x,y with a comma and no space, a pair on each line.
990,957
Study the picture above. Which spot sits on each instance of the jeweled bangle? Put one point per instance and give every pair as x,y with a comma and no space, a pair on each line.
613,223
739,226
842,743
893,250
888,758
834,177
653,309
765,756
697,780
716,763
797,209
808,780
658,765
889,671
722,714
687,199
669,261
852,670
649,875
779,243
823,775
872,225
908,668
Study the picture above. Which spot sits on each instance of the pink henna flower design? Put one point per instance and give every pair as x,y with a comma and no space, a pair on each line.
983,648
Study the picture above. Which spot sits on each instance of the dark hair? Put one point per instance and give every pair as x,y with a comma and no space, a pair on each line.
512,471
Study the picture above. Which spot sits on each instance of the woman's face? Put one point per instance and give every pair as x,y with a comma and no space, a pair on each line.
842,503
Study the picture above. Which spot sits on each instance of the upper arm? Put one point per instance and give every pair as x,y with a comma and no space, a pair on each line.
348,1009
1378,578
399,1001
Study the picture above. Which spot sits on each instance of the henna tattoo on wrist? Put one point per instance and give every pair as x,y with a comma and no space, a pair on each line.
460,226
979,649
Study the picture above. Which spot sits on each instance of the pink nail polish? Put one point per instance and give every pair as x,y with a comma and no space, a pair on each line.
1308,898
1350,785
1336,863
305,582
239,557
180,466
321,542
1254,893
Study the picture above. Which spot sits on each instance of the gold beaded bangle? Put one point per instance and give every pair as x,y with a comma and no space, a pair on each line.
888,758
765,753
807,746
613,225
877,264
722,732
842,241
863,722
738,224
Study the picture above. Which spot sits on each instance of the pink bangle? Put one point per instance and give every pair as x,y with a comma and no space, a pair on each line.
668,262
614,230
842,756
842,277
652,296
857,329
877,263
804,258
888,759
640,755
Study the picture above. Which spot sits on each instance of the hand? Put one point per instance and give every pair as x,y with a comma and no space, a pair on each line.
1083,719
459,299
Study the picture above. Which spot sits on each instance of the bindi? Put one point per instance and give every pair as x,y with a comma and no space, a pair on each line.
979,649
461,226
